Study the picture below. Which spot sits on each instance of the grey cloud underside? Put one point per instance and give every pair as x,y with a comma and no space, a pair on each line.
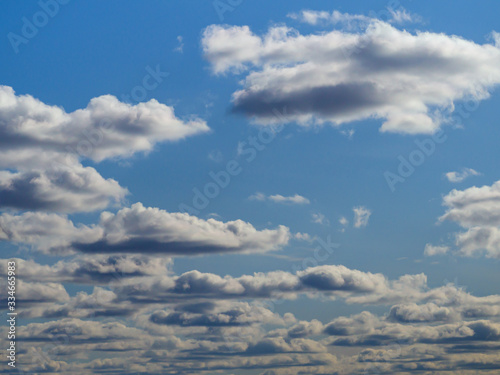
44,145
140,230
152,247
343,99
410,81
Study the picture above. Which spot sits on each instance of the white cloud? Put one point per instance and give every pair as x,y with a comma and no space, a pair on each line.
278,198
361,216
460,176
431,250
76,189
319,218
351,21
477,209
410,81
140,230
43,144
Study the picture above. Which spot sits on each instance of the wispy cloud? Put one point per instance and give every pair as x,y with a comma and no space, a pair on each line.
361,216
278,198
462,175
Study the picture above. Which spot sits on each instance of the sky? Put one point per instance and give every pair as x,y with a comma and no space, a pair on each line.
250,187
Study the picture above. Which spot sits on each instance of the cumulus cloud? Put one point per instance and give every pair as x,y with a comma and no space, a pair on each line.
319,218
221,314
106,128
79,189
476,209
351,21
95,269
409,81
462,175
413,313
278,198
139,229
431,250
361,216
356,287
44,144
230,334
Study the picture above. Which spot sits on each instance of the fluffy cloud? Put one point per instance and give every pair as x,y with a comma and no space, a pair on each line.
478,210
410,81
44,145
77,189
95,269
413,313
222,314
29,294
106,128
461,176
313,17
356,287
361,216
431,250
143,230
278,198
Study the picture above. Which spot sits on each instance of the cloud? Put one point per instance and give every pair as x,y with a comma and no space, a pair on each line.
461,176
41,147
106,128
332,281
231,334
79,189
278,198
140,230
476,209
222,314
95,269
319,218
351,21
431,250
409,81
34,293
413,313
361,216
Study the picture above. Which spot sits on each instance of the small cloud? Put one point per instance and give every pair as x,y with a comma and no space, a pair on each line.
431,250
403,16
278,198
348,133
216,155
351,21
215,215
257,197
180,47
319,218
460,176
303,237
344,222
361,216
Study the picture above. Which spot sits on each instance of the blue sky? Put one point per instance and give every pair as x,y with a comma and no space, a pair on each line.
88,50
